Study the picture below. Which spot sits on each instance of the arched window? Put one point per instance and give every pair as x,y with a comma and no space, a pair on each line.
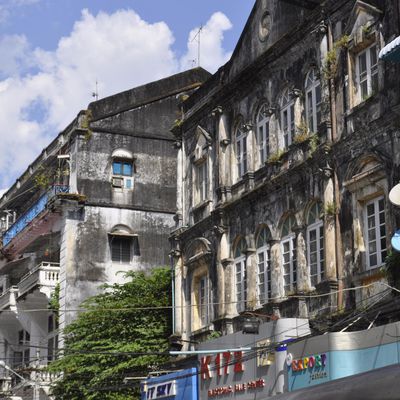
315,244
287,118
123,244
313,101
288,246
122,169
241,150
263,267
263,134
240,275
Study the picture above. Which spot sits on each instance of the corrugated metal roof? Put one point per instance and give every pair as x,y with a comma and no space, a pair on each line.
391,51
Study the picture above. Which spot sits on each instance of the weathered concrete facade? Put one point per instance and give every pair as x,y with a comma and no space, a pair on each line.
99,201
287,156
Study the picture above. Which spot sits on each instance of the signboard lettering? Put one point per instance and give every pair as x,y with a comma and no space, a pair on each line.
161,390
221,364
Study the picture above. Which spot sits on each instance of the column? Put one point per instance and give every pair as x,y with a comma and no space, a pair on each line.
277,289
329,230
303,270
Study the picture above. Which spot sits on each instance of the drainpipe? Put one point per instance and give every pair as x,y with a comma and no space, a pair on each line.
336,194
171,257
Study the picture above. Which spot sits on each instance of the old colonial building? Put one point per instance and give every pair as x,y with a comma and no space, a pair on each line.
97,202
287,156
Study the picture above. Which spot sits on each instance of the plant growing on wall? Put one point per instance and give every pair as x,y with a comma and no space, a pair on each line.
276,157
123,332
54,302
43,178
85,123
392,267
330,64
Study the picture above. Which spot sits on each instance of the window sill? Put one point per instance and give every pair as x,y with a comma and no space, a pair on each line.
201,205
204,329
370,275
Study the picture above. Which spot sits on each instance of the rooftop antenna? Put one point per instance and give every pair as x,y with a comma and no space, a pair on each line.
95,94
198,35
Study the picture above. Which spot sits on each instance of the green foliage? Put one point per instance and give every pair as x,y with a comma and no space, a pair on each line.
330,209
114,323
314,141
276,157
214,335
43,178
392,266
85,124
330,64
54,302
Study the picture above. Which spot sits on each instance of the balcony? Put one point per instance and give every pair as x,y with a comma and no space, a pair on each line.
45,276
25,219
9,298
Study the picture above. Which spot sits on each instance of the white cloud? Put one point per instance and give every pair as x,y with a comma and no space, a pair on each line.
119,50
212,54
15,55
7,7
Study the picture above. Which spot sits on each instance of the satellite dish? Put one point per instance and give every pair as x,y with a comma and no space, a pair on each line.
396,240
289,359
394,195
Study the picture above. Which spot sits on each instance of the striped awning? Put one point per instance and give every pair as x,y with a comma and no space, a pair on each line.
391,51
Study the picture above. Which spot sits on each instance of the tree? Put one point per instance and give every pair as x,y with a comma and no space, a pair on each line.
106,342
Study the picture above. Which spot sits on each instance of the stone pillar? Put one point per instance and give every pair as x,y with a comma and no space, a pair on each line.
222,254
303,269
329,230
179,185
277,289
178,310
251,278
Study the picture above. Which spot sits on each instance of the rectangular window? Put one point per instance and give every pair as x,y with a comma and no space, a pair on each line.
289,264
368,72
121,249
375,233
202,182
263,141
316,261
122,168
204,303
263,276
288,125
241,284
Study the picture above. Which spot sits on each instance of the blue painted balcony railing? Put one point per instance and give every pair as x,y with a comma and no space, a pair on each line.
22,222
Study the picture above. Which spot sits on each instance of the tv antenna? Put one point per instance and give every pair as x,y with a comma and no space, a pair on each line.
198,36
95,94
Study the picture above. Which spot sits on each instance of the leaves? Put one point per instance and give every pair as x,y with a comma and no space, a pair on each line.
116,323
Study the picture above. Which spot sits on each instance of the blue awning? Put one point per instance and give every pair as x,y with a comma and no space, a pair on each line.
391,51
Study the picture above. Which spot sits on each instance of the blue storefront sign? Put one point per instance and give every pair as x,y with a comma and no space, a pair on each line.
180,385
341,354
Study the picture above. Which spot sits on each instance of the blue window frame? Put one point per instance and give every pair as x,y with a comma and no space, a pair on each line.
122,168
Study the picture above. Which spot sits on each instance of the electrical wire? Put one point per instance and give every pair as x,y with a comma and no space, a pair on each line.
154,308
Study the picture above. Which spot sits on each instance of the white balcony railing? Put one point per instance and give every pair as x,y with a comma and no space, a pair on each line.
45,275
9,298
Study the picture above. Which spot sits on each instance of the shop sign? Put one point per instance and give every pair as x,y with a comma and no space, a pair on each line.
222,364
161,390
315,365
237,388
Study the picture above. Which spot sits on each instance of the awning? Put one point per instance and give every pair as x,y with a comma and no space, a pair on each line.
391,51
379,384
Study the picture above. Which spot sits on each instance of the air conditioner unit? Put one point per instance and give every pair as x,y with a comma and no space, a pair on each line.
118,182
128,183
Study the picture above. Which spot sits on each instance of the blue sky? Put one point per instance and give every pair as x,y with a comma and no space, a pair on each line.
53,51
